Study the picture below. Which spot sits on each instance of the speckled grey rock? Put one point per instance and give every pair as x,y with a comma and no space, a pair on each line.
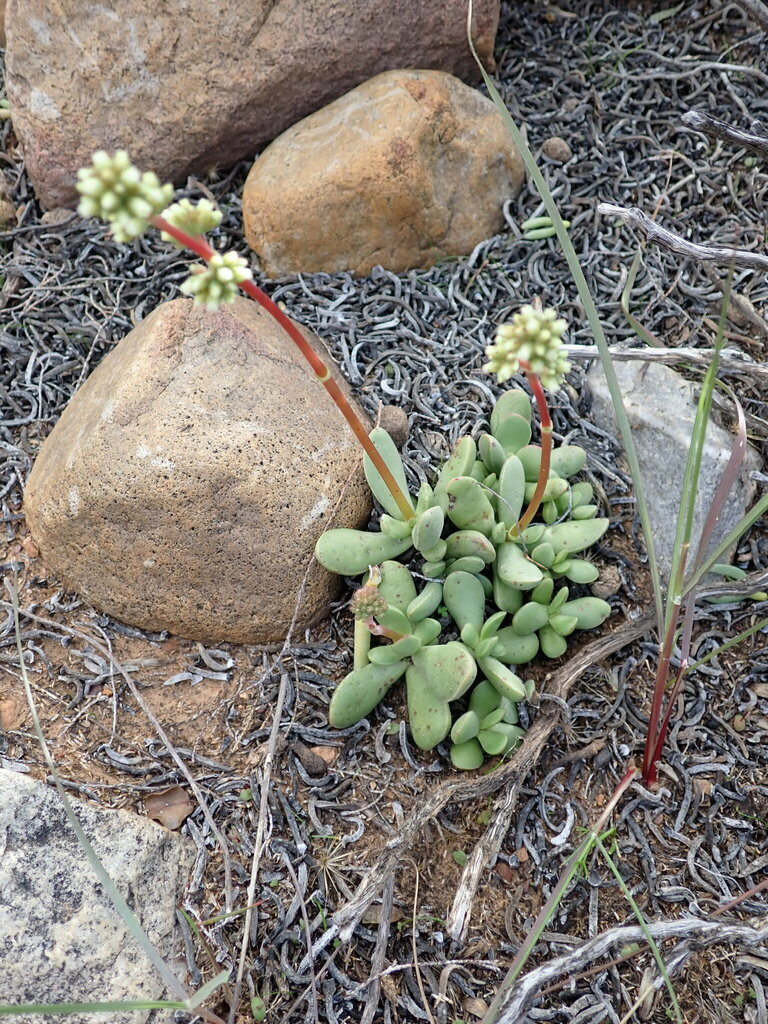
61,939
187,481
661,408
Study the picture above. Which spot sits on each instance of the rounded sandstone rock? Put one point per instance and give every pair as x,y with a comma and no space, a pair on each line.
409,168
188,480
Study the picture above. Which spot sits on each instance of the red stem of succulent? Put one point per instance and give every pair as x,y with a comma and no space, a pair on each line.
378,630
201,248
545,425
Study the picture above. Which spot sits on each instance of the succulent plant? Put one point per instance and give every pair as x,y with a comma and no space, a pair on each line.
504,590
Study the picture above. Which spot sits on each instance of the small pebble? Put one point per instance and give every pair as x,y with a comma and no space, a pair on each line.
394,420
557,149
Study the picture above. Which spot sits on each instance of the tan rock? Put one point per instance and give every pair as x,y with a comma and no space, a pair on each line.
186,88
188,480
406,169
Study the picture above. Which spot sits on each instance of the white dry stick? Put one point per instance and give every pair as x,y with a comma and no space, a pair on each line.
691,933
652,232
732,361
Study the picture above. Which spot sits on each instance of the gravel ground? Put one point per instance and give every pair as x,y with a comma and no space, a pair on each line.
359,817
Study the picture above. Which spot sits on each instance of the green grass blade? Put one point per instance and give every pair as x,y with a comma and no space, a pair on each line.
762,624
686,511
757,510
644,928
592,316
207,990
68,1008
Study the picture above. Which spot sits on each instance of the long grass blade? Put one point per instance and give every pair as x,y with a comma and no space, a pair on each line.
592,316
644,928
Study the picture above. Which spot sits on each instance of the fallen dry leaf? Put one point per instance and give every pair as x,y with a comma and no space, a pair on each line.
477,1007
170,808
11,715
328,754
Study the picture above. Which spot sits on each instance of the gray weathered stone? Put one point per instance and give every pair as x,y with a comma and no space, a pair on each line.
661,409
407,169
187,481
61,939
193,86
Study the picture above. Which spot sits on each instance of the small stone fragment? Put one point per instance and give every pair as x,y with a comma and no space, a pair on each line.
557,149
394,420
62,939
661,409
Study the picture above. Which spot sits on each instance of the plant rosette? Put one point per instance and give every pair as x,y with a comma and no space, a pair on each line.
505,593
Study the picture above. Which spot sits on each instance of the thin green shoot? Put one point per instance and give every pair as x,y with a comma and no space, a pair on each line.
643,927
573,866
733,642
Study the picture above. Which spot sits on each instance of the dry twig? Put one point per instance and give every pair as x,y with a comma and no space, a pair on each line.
650,230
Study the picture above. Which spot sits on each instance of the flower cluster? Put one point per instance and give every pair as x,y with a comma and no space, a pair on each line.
113,189
193,218
217,283
533,342
367,602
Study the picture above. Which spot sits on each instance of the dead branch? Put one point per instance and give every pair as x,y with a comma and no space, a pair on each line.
730,363
755,140
757,10
690,935
650,230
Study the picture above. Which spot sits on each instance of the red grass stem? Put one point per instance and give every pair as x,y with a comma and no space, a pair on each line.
201,248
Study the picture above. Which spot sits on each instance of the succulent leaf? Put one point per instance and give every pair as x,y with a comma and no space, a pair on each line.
563,624
515,569
397,586
460,463
532,616
513,649
505,597
427,630
491,452
467,756
568,460
395,527
466,727
581,571
530,456
511,491
359,692
389,654
350,552
469,506
589,611
513,432
510,402
428,528
484,699
426,602
470,542
503,679
464,598
468,563
492,624
552,644
572,536
387,448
